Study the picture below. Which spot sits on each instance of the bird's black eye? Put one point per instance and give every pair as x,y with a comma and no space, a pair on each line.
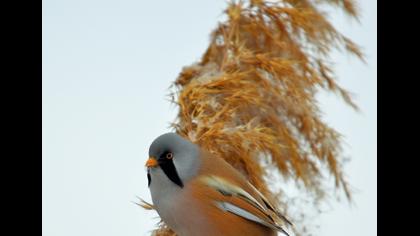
169,155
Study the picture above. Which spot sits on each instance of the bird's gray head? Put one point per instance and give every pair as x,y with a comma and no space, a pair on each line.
177,157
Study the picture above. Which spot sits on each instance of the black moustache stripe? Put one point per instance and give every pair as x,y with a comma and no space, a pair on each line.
149,179
168,168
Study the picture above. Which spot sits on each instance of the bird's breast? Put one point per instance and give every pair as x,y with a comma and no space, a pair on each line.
165,195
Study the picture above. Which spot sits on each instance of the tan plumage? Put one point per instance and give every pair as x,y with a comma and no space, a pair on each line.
227,185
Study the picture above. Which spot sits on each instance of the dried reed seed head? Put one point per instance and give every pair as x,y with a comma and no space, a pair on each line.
251,98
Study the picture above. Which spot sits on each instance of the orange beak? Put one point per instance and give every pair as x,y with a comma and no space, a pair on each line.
151,162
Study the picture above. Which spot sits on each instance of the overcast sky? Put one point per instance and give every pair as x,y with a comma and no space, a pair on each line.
107,67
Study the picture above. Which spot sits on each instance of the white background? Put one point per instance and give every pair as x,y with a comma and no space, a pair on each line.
107,66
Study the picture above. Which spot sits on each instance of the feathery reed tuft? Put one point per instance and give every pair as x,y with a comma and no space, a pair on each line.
251,97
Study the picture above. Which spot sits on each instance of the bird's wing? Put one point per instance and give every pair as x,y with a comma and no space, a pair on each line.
269,206
236,200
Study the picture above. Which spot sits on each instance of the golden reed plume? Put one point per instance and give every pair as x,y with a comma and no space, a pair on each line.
251,97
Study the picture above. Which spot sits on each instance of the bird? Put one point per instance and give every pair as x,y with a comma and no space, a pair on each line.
197,193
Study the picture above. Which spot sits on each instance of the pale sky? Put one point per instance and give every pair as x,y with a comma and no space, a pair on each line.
107,67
